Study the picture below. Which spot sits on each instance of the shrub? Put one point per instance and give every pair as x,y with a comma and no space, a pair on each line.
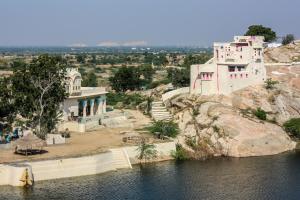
191,142
292,126
130,100
269,83
260,114
179,153
169,129
289,38
146,151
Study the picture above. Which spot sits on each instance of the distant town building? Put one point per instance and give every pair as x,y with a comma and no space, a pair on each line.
235,65
84,104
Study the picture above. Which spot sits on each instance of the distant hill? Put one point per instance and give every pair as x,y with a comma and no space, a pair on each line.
283,54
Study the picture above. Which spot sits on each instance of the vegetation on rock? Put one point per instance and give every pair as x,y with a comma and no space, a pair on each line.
179,153
260,114
292,126
270,84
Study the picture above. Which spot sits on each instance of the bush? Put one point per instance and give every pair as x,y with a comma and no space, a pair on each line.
130,100
269,83
289,38
292,126
179,153
169,129
260,114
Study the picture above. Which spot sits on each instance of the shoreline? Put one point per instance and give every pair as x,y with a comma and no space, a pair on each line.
119,158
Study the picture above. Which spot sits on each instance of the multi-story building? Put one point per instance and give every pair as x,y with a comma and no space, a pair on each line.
235,65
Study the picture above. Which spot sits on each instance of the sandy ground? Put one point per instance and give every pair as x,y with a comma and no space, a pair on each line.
83,143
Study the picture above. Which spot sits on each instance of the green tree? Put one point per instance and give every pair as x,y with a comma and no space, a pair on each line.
126,78
164,128
6,100
292,126
146,151
90,80
259,30
179,77
147,72
289,38
39,89
81,58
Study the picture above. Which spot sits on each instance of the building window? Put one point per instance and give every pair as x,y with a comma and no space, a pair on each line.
231,76
241,75
241,57
235,76
231,68
241,68
246,75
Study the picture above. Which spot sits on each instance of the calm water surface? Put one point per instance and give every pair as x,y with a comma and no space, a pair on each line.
271,177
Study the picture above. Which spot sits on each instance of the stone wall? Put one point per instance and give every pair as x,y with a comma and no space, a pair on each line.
10,174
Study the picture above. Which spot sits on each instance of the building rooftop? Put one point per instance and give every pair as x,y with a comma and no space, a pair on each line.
90,92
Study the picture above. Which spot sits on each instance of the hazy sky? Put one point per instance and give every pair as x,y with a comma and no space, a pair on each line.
158,22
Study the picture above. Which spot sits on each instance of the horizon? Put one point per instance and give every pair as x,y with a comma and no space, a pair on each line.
65,23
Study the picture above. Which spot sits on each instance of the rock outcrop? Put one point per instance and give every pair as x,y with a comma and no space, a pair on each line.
226,125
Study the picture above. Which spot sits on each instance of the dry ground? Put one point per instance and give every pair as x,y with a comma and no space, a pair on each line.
82,143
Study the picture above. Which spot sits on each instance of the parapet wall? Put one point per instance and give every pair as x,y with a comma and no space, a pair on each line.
11,174
173,93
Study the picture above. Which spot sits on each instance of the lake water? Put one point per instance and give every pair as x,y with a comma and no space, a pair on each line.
270,177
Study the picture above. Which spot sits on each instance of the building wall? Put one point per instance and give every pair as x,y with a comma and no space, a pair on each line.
234,66
69,106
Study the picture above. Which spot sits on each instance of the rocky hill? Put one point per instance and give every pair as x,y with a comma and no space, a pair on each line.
283,54
226,125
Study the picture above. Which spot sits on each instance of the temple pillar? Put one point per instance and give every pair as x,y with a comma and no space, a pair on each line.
84,105
99,105
104,104
92,107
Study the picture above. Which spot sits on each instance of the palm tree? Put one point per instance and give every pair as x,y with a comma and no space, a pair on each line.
146,151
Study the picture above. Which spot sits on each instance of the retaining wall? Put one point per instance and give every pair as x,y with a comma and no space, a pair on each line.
10,174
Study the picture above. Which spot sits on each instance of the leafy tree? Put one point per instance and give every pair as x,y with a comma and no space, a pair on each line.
292,126
81,58
259,30
260,114
164,128
146,151
147,72
179,77
39,89
289,38
126,78
6,100
90,80
270,84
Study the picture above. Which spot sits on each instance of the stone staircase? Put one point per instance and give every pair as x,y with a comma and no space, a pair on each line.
159,111
120,158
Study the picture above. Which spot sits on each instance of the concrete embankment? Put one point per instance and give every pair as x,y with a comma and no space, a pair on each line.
13,174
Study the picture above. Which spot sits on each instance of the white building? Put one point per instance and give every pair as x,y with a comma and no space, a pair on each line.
84,104
235,65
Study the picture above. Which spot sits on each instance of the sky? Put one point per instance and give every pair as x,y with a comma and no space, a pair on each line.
146,22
